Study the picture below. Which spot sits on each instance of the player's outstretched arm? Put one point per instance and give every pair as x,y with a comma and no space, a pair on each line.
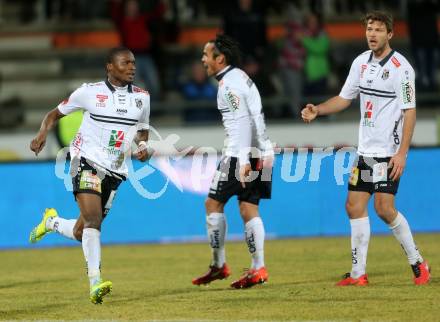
331,106
49,121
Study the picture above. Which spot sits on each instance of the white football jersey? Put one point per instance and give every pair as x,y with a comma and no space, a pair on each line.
112,116
386,88
239,102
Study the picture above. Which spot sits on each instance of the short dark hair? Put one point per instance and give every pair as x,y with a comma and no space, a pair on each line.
381,16
115,52
229,47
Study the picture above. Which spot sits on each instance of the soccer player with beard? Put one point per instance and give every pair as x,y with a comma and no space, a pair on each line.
384,79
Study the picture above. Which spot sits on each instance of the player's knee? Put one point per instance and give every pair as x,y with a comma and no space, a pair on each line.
212,205
77,233
248,211
93,221
244,209
354,210
383,209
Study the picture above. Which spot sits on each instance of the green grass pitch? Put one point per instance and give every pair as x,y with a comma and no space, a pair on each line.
153,282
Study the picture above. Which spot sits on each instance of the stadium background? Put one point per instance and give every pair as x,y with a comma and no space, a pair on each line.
47,51
50,47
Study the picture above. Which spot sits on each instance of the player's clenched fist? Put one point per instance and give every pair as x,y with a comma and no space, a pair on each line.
309,113
37,144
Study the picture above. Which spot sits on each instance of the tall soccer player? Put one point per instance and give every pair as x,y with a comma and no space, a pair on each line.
112,108
385,81
238,173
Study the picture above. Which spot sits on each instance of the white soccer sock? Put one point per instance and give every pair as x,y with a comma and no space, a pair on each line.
360,237
216,227
91,245
62,226
402,232
254,233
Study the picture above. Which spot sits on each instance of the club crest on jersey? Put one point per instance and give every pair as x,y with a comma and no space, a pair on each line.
233,100
101,100
138,103
385,74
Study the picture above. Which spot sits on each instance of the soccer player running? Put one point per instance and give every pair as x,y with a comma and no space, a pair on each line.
237,174
115,113
385,81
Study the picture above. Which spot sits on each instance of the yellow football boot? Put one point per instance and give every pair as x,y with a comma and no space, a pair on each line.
40,230
99,290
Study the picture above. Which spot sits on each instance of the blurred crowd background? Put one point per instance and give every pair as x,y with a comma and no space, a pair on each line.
295,51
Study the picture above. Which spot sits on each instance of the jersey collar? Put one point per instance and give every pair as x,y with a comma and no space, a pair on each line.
223,72
112,89
383,61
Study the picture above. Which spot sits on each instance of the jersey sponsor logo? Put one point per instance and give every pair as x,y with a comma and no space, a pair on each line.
385,74
77,141
407,93
114,149
215,239
368,115
116,164
121,111
233,100
354,177
138,103
395,61
380,172
395,134
354,256
89,181
101,100
250,241
139,90
122,98
363,68
116,139
94,84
